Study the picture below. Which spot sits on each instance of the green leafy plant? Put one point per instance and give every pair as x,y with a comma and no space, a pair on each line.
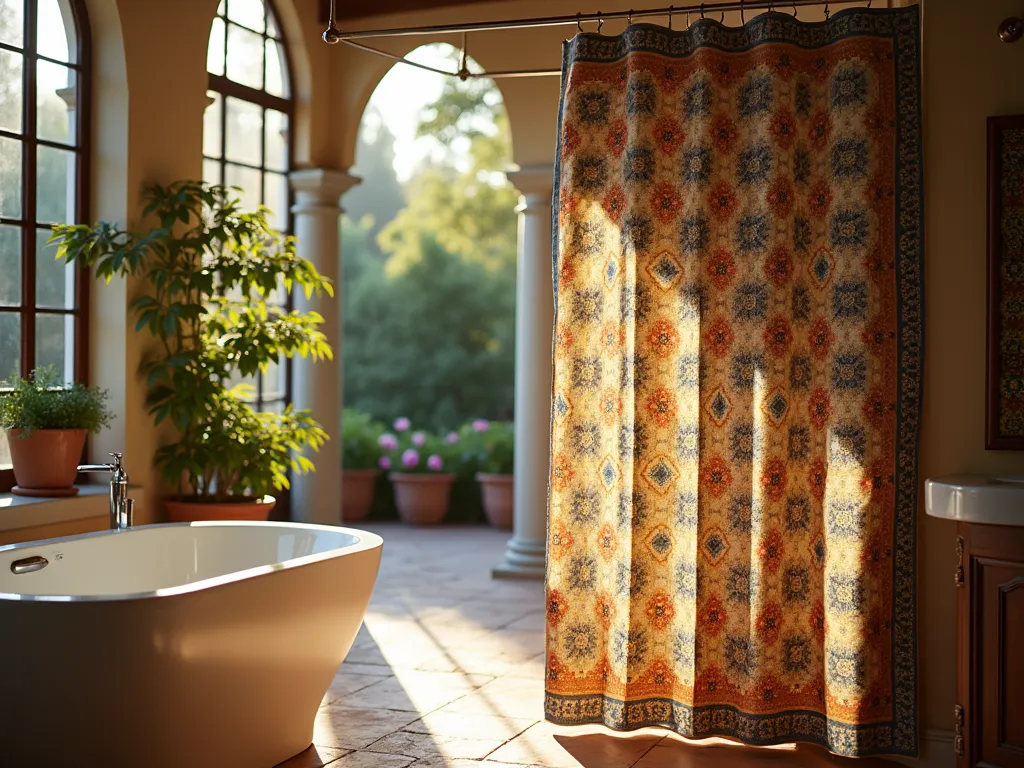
498,448
487,446
44,401
210,270
359,435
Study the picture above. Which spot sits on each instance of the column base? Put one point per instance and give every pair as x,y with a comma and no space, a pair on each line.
523,560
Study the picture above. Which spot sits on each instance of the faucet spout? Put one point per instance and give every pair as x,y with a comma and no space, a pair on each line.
121,507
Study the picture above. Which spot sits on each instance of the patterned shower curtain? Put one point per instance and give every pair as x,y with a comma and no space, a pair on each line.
737,382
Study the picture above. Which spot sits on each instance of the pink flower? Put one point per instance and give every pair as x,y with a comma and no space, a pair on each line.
384,462
481,425
418,438
402,424
435,463
410,458
452,438
387,441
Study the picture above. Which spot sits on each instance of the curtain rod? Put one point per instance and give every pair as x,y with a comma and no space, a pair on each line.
332,35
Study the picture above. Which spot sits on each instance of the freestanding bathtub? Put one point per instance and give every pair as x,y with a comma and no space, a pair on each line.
202,645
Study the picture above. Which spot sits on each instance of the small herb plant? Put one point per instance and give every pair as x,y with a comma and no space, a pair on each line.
44,401
359,435
418,452
209,270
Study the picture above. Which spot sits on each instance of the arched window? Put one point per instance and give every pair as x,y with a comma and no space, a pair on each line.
245,129
44,80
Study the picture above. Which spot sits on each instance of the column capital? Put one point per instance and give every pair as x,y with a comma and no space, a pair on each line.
69,96
534,182
320,188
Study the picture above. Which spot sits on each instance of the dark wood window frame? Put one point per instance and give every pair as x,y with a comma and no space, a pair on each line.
265,100
27,223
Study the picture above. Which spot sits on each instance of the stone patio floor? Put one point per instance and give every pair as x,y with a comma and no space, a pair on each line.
448,669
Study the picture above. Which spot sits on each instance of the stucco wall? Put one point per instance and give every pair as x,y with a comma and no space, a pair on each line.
149,124
968,75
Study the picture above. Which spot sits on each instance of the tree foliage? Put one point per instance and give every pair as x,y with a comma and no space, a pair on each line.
380,195
432,343
429,329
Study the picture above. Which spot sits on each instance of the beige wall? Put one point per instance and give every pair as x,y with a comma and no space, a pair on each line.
149,129
968,75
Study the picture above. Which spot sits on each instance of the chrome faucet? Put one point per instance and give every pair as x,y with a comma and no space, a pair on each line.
122,509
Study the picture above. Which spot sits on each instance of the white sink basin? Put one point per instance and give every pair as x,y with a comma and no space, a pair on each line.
976,499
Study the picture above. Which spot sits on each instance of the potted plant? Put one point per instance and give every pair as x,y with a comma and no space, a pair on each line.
360,463
418,462
495,462
47,422
207,274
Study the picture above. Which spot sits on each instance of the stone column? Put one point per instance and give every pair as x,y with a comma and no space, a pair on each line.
316,497
525,555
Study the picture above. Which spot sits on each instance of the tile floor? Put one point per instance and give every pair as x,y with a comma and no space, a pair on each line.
447,672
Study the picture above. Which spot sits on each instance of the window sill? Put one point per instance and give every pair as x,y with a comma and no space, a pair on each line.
30,512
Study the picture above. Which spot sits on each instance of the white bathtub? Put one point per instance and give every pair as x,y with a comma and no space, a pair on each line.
176,646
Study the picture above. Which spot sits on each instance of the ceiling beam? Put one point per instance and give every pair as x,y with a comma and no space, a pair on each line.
358,9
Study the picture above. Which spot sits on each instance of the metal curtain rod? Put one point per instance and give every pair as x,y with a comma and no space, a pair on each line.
332,35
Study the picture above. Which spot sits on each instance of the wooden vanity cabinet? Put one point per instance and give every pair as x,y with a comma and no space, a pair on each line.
990,679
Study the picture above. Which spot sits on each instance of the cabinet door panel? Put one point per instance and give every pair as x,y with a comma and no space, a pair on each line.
999,592
1003,662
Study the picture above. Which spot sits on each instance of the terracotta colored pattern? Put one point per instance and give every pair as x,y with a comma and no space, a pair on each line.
737,382
1011,300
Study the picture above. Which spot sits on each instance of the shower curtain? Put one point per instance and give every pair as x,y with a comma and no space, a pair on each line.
737,381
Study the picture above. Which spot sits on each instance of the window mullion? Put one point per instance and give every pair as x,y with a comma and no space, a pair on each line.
28,202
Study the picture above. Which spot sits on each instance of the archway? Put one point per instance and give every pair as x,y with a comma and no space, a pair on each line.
429,254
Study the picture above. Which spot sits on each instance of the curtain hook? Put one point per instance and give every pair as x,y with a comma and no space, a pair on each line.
794,9
826,10
463,72
702,10
600,23
670,17
629,18
579,21
722,20
743,17
687,19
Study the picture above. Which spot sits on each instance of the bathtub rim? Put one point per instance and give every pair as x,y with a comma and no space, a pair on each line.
365,540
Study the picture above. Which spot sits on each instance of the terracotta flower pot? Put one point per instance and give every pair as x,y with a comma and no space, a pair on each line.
46,462
358,487
192,511
422,499
496,494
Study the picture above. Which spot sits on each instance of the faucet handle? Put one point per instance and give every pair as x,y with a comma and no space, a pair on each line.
129,513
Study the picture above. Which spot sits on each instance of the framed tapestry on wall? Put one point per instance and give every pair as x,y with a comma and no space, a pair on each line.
1004,401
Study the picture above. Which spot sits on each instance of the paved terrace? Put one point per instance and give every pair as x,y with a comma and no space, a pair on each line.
448,669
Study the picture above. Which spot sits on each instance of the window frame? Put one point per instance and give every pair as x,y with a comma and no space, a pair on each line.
27,310
227,88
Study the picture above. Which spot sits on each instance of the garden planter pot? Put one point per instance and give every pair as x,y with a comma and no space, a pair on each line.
190,510
46,462
357,489
422,499
496,494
